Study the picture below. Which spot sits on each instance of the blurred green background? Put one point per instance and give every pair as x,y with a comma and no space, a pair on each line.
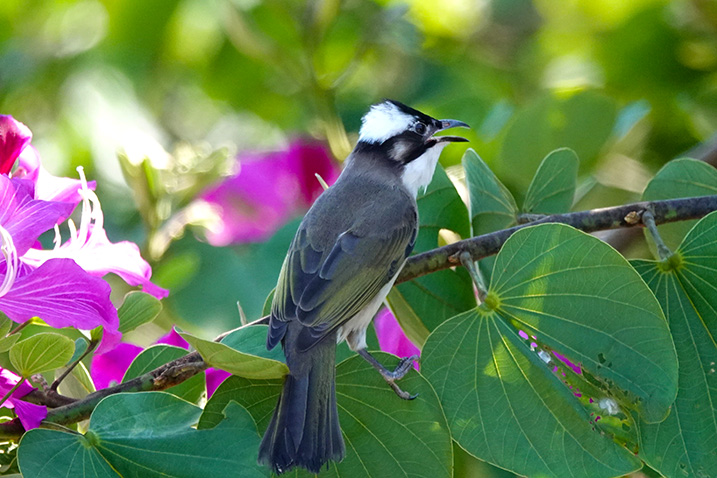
628,85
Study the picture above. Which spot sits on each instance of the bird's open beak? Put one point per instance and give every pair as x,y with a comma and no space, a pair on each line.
449,123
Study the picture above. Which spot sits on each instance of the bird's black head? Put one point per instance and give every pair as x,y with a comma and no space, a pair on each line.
403,133
405,137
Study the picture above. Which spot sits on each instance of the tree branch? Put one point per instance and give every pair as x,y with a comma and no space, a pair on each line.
670,210
177,371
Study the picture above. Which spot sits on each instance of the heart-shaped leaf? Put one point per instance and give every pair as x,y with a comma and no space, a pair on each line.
553,187
579,297
680,178
683,444
145,435
41,352
138,308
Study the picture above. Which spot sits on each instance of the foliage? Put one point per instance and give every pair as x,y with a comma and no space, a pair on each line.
560,356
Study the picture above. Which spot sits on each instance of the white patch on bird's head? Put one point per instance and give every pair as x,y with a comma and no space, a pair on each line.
383,121
418,173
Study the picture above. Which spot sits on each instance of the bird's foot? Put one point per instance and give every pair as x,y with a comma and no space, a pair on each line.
392,376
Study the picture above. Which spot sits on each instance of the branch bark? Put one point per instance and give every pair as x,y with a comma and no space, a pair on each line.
670,210
179,370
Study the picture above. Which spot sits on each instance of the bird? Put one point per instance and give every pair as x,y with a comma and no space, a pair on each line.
341,264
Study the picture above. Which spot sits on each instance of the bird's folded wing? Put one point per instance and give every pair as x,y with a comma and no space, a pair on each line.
322,289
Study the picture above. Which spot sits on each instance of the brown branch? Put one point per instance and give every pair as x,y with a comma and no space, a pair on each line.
670,210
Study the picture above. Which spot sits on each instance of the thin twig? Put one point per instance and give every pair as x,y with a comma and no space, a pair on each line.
670,210
90,347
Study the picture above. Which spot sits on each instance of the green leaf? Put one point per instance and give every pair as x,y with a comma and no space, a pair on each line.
582,122
7,342
78,383
491,204
683,444
553,187
40,353
266,309
252,341
420,305
138,308
384,435
81,345
5,324
581,298
584,300
506,407
145,435
222,356
155,356
440,207
680,178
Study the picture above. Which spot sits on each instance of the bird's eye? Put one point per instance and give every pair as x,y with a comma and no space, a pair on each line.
420,128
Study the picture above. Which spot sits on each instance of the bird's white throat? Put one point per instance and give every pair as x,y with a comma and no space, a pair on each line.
418,173
384,121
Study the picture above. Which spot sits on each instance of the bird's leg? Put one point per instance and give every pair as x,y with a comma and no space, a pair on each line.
391,376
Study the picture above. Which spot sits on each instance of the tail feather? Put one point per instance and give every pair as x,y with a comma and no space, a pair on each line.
304,430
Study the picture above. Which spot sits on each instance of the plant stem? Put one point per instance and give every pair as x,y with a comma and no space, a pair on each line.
648,219
90,347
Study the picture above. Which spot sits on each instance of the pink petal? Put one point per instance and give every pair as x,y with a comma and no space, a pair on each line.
63,295
30,415
8,380
99,256
107,369
214,378
269,189
391,337
14,136
173,338
26,218
47,186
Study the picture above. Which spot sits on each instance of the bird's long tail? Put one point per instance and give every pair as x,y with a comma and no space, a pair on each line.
304,430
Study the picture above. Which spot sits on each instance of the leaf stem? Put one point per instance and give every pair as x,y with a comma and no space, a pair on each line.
475,273
90,347
648,219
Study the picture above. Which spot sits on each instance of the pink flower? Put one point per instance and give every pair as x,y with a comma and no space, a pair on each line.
108,368
14,136
269,189
30,415
58,291
90,248
391,338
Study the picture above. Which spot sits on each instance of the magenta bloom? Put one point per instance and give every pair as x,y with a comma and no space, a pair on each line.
90,248
59,291
108,369
391,338
30,415
14,136
269,189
